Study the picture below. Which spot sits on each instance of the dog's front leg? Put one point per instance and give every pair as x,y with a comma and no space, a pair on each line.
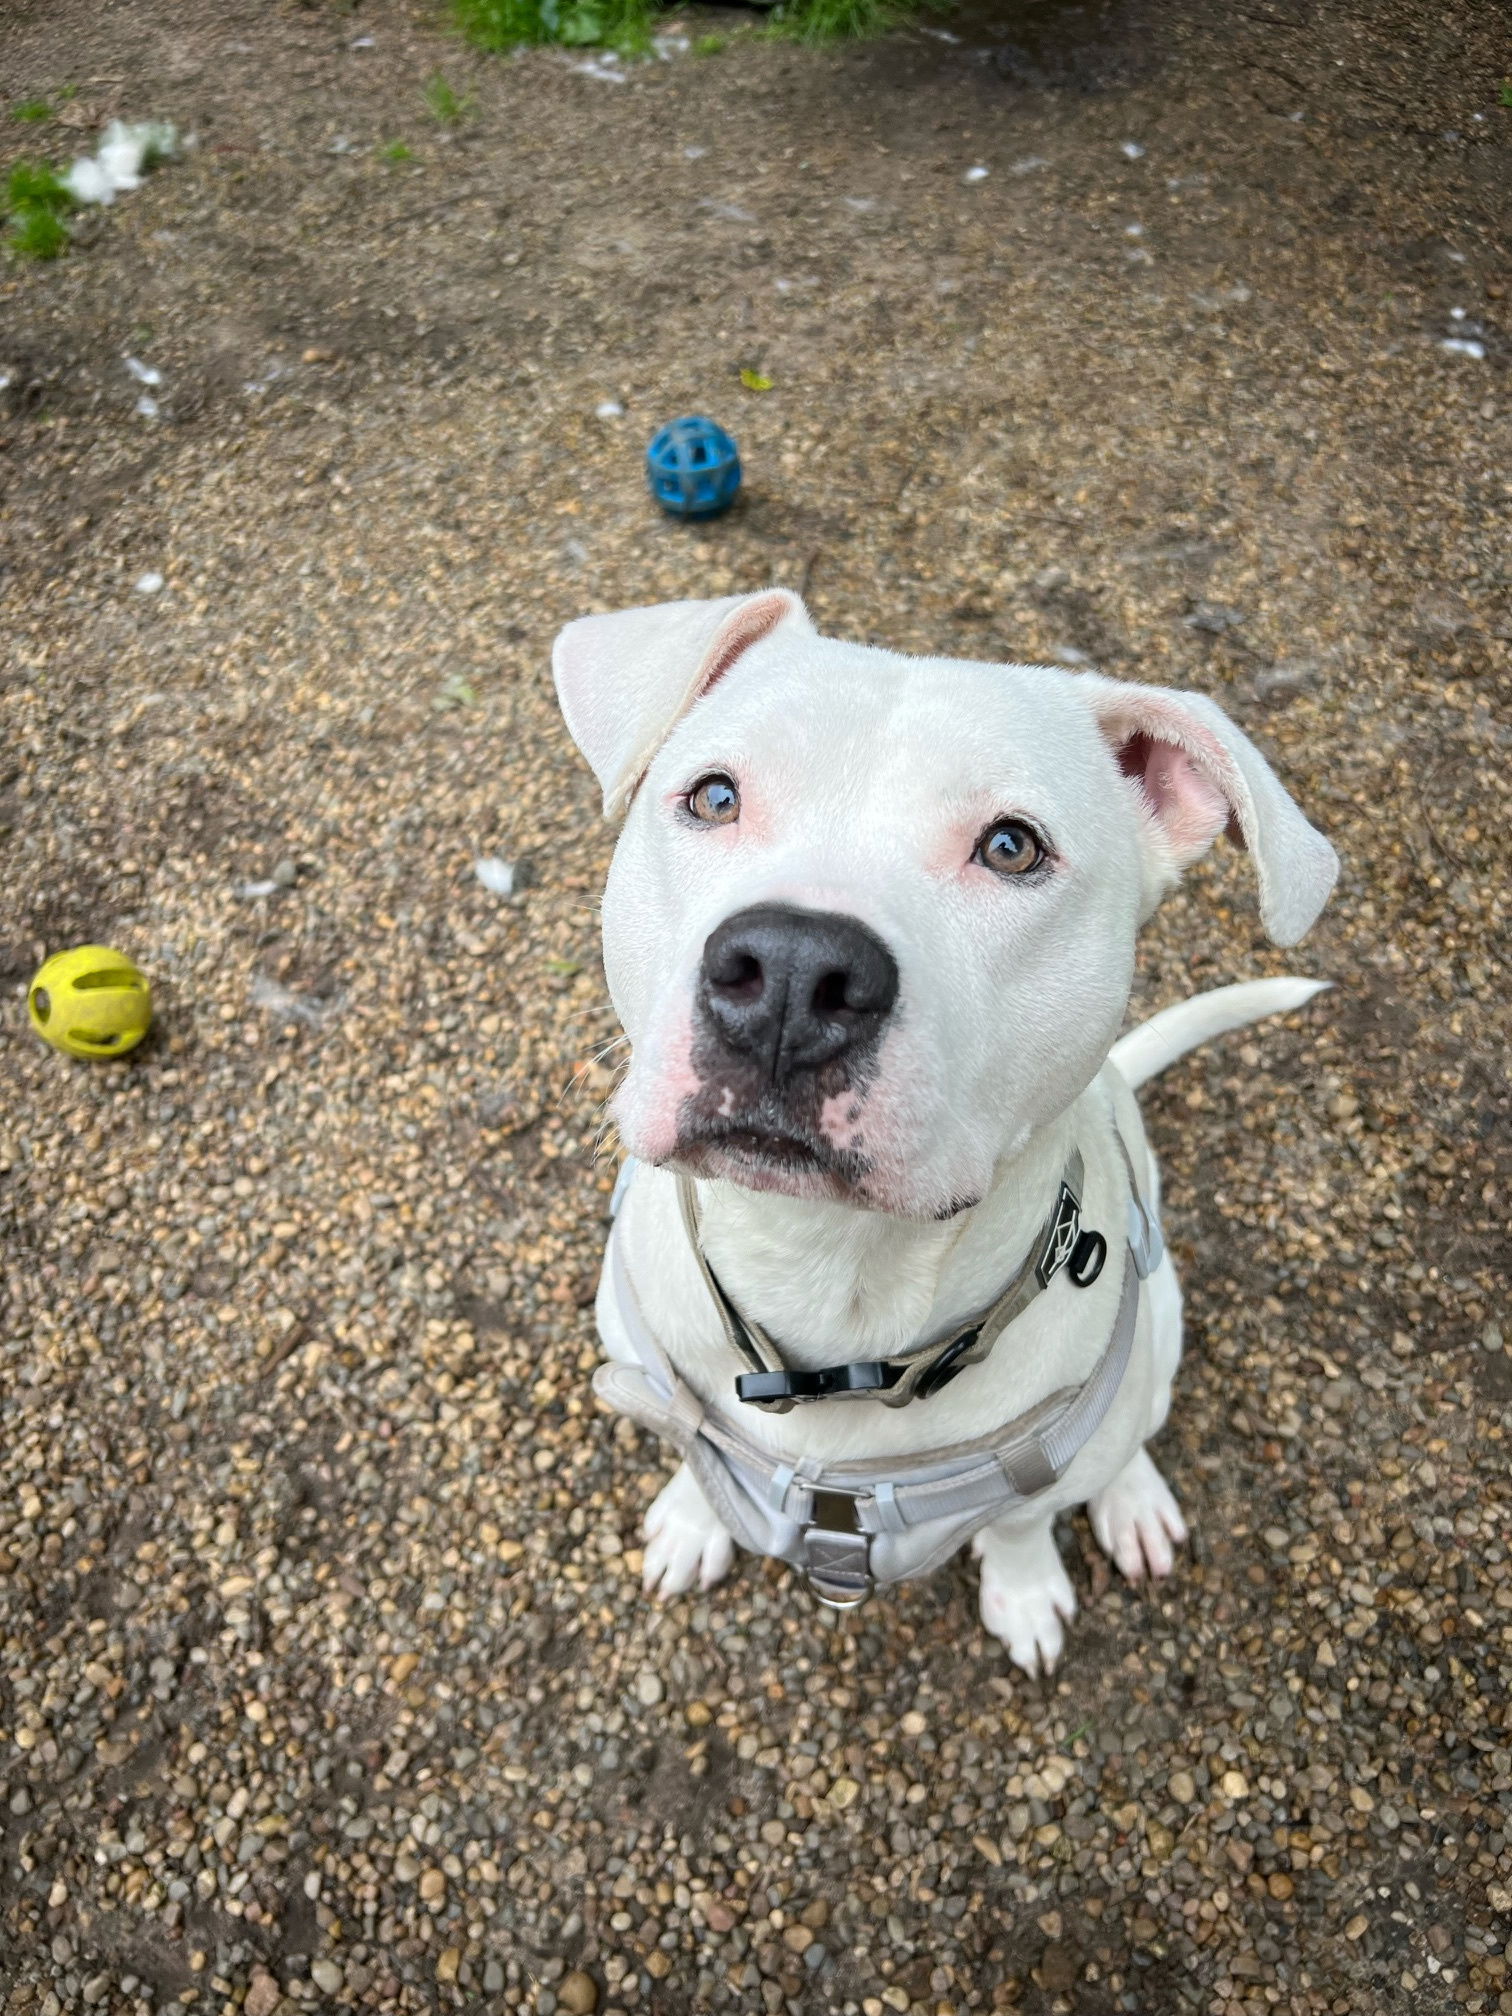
1026,1594
685,1542
1137,1521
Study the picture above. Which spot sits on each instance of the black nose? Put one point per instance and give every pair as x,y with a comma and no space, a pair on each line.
792,989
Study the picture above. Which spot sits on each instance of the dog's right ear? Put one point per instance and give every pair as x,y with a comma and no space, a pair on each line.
625,681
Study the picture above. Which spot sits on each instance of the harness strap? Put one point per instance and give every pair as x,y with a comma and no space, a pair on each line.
1146,1242
825,1517
746,1337
1013,1462
910,1375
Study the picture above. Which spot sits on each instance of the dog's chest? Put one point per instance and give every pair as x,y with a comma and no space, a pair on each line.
830,1293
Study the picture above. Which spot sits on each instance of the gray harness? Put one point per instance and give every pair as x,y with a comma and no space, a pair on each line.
853,1525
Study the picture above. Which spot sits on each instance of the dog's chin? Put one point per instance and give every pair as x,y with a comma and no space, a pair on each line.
783,1165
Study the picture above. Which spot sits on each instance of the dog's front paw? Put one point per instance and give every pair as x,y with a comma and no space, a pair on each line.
1137,1522
685,1543
1026,1596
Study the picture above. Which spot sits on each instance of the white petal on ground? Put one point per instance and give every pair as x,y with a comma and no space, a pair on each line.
122,158
88,182
496,875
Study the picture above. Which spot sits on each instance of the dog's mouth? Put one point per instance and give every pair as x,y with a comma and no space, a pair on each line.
759,1156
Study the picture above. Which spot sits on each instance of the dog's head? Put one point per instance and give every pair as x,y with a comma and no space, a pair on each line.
871,918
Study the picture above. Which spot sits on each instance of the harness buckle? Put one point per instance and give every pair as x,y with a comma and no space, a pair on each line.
763,1389
1145,1241
837,1554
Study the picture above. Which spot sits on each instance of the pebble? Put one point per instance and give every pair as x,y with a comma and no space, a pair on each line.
577,1994
263,1996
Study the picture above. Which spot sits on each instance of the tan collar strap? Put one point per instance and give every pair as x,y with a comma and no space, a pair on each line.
1061,1244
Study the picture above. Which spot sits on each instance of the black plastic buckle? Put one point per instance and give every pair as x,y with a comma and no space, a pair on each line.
871,1376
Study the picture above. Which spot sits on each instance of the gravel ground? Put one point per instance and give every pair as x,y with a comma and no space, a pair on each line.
325,1682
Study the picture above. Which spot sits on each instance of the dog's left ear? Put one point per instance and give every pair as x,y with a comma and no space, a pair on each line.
624,681
1198,775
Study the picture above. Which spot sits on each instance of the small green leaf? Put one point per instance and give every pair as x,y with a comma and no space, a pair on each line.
458,691
755,381
567,969
32,111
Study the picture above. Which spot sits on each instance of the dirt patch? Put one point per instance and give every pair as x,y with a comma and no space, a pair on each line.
295,1356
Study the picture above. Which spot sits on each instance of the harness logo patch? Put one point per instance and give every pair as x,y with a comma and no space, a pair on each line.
1061,1240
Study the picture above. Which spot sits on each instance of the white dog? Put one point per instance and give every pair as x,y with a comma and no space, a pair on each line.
887,1266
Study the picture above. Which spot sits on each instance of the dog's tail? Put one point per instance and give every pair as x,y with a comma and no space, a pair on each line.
1147,1050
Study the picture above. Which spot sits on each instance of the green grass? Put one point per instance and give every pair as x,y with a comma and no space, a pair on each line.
446,107
624,25
32,111
35,183
816,21
627,25
35,205
396,151
37,234
1506,92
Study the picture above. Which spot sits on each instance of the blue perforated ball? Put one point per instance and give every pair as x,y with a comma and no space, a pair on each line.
693,468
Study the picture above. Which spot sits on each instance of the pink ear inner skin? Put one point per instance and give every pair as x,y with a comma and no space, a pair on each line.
747,626
1190,810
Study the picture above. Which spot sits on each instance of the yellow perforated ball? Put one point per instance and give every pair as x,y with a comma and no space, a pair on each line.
90,1002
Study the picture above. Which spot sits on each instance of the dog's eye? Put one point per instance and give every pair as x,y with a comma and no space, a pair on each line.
1010,848
715,801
